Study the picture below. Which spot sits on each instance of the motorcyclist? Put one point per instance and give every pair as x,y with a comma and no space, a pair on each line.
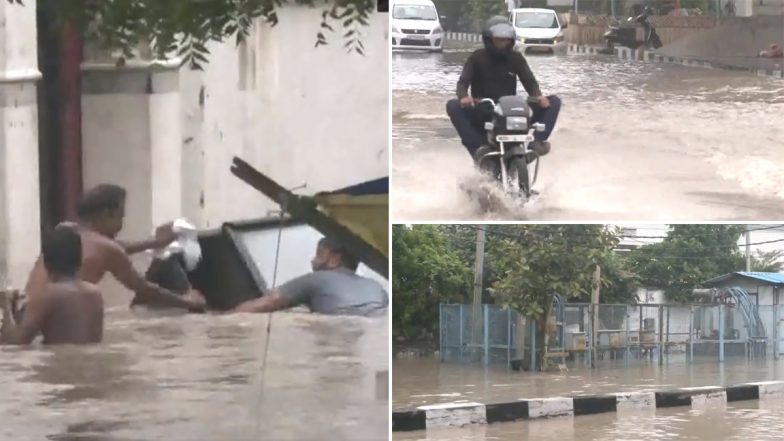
492,72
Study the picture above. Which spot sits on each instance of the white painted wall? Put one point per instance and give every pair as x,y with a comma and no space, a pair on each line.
302,115
19,206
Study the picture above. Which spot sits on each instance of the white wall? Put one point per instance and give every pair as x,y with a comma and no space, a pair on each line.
19,195
302,115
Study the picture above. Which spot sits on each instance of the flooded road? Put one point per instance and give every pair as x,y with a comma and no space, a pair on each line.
417,382
634,141
199,377
739,421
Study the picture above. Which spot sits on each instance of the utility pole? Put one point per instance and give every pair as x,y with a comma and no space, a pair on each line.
748,249
478,267
597,278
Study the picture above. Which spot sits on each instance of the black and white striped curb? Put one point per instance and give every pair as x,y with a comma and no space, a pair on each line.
581,49
464,36
625,53
465,414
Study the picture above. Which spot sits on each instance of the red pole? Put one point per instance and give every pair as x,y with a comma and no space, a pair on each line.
69,176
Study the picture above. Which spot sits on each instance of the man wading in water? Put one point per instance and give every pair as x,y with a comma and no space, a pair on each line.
332,288
68,310
101,212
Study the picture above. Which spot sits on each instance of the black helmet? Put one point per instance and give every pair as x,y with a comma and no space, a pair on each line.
498,27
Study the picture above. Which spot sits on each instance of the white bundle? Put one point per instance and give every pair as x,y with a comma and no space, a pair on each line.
187,244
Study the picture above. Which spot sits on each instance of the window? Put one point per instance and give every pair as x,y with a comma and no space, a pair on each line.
414,12
542,20
297,247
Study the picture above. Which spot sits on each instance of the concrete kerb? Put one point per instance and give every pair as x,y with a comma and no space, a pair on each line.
471,413
642,55
463,37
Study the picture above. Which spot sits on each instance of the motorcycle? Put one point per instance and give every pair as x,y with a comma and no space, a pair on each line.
509,135
626,34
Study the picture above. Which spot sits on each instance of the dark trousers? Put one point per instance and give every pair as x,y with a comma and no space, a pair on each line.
469,122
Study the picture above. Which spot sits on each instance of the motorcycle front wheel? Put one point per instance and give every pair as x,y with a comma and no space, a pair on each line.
517,173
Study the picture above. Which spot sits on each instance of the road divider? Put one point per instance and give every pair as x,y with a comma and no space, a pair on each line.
463,414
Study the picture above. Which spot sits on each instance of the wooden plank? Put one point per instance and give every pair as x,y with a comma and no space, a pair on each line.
556,354
305,208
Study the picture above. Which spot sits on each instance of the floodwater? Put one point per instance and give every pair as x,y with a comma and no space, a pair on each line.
199,377
421,381
634,141
738,421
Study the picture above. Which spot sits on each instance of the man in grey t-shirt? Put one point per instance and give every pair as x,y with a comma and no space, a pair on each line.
332,288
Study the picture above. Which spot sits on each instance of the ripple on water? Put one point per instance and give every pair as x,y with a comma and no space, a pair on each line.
198,377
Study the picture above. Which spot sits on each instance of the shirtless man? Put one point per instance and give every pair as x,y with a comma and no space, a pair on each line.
69,310
101,212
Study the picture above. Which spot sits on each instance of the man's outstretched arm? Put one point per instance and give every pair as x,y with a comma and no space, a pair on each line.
527,78
164,235
466,76
272,301
122,269
290,294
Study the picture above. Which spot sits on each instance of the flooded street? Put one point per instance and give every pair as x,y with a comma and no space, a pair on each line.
423,381
634,141
739,421
199,377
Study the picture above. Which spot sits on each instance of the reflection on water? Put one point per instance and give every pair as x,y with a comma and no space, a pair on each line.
187,377
697,143
741,421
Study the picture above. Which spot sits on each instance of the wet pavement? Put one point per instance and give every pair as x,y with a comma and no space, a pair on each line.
634,141
200,377
738,421
422,381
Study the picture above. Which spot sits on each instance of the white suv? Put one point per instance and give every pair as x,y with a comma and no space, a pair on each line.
416,25
538,30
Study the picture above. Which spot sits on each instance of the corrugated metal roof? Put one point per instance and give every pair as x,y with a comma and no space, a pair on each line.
772,278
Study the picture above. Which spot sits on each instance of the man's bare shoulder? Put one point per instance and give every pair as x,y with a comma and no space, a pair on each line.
101,243
89,287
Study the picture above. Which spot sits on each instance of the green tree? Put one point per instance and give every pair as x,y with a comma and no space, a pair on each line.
184,27
462,239
768,261
425,273
478,11
619,284
536,261
689,255
455,13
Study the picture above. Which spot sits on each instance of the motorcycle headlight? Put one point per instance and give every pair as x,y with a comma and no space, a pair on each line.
516,123
437,30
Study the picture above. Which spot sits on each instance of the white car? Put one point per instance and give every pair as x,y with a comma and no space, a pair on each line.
416,25
538,30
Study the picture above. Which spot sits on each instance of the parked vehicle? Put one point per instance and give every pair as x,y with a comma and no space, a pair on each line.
625,34
416,25
538,30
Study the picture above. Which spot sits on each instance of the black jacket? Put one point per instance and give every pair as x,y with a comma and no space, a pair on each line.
493,77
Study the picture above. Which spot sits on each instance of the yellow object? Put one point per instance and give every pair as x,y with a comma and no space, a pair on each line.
647,337
366,216
615,340
578,342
